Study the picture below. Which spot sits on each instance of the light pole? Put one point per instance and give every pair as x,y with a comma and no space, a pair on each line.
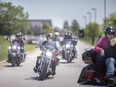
89,16
85,20
93,38
104,14
95,14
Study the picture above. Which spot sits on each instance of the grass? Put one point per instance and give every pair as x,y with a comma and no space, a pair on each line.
4,44
3,48
29,47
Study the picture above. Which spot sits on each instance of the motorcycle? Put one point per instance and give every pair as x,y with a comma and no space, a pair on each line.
89,72
68,50
14,54
45,67
58,51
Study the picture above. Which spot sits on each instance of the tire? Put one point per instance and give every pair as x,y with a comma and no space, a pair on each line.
68,58
18,62
13,62
48,74
43,72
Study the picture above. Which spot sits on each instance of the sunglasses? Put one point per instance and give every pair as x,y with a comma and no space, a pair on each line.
110,34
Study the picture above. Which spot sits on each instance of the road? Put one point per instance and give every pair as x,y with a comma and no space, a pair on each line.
23,76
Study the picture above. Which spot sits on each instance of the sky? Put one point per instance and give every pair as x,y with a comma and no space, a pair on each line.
60,10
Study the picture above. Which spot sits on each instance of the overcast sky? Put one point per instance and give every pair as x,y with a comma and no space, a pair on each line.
60,10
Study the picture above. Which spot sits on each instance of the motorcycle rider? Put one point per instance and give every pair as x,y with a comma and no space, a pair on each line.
68,36
49,42
101,46
19,40
56,37
110,54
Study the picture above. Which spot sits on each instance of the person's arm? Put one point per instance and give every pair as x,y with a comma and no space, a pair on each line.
98,46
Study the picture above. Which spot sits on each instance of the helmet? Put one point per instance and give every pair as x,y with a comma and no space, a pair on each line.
20,33
109,30
17,35
69,33
49,35
56,33
65,34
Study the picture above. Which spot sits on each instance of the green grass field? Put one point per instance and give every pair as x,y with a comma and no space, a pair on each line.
4,44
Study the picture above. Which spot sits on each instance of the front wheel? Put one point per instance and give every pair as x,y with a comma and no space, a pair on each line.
69,60
43,71
13,62
18,63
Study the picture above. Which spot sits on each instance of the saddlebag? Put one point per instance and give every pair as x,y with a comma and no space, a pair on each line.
88,73
89,56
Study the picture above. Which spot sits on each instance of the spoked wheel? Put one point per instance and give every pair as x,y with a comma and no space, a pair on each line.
43,71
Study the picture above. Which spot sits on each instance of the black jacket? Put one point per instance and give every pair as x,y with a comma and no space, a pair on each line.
111,52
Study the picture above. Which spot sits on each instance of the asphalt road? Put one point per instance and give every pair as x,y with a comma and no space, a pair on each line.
23,76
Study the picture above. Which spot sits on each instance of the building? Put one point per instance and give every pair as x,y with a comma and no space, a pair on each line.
37,25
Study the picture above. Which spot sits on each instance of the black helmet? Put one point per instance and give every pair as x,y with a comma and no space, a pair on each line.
49,35
70,34
110,30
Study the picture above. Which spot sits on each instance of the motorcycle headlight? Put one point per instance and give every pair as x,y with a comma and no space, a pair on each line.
67,45
18,48
57,44
9,47
49,55
14,47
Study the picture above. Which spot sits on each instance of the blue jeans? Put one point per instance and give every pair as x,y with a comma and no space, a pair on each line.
110,64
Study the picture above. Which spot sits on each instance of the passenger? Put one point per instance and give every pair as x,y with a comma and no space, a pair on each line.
101,46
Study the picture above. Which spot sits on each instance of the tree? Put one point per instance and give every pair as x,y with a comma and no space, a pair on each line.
111,20
12,19
75,26
92,30
66,25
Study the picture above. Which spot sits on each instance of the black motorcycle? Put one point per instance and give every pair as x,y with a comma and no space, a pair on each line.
69,51
89,73
14,54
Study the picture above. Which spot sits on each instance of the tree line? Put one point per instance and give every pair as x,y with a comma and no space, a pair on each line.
13,19
92,30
